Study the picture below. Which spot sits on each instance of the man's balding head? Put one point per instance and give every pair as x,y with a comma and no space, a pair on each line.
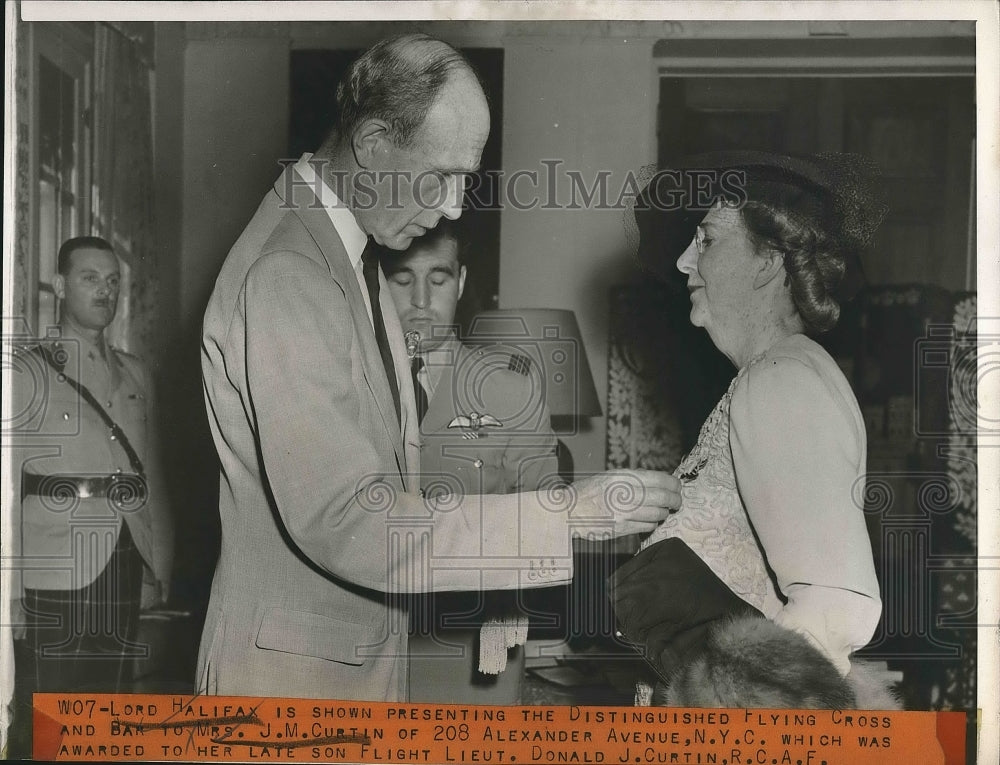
414,121
397,80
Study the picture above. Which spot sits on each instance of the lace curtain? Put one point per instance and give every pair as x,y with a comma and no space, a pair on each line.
122,201
22,180
15,305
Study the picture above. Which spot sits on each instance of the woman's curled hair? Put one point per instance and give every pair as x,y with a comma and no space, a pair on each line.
796,223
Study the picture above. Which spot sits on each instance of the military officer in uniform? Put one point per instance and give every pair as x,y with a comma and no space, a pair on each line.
93,536
484,429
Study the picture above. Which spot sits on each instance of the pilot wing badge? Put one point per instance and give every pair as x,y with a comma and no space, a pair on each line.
473,423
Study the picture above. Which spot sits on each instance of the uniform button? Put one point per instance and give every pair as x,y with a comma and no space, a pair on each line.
618,634
478,463
65,415
109,404
114,437
118,470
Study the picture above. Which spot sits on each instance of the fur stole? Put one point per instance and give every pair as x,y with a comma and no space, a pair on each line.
749,661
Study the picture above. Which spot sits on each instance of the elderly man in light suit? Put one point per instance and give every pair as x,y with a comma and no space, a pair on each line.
306,384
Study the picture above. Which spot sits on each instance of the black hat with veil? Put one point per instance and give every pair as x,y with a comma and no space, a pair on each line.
836,193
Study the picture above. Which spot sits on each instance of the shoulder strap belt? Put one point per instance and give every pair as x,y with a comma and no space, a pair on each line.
87,396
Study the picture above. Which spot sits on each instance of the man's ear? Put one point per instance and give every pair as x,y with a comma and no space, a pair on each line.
770,265
370,139
461,281
59,286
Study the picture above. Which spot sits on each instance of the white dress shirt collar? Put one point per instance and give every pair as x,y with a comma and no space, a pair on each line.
343,220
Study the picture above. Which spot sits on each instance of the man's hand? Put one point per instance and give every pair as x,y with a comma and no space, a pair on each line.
625,501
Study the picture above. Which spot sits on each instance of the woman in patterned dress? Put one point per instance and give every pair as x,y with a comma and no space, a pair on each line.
772,490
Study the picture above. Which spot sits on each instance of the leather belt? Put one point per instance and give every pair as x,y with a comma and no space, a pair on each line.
124,488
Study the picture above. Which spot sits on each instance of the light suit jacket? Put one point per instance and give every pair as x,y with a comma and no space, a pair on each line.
319,504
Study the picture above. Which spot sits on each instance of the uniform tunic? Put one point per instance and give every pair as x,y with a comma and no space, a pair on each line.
82,544
517,455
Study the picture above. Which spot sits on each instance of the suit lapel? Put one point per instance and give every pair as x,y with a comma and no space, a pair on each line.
319,226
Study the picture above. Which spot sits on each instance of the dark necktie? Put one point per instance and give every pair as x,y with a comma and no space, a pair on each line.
369,260
418,390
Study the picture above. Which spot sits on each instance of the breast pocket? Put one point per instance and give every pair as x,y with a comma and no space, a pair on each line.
475,466
133,407
53,411
131,414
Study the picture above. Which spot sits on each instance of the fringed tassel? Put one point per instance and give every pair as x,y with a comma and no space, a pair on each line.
498,634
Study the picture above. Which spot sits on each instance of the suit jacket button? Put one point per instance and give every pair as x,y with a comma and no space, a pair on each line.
65,415
114,437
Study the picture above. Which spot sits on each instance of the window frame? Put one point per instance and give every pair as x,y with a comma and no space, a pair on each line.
70,48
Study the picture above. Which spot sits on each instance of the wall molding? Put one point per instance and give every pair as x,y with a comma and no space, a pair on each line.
816,56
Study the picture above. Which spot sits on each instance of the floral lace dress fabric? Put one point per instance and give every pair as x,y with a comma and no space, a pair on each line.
712,520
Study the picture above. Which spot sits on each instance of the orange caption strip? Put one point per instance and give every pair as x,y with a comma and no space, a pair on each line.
134,727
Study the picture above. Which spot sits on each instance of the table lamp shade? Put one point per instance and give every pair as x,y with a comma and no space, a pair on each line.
546,344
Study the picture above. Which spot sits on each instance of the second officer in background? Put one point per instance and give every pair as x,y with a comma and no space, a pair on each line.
484,430
93,538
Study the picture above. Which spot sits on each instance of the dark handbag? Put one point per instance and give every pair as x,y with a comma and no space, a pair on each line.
667,600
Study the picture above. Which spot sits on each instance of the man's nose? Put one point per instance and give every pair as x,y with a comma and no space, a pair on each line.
421,294
687,263
451,206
